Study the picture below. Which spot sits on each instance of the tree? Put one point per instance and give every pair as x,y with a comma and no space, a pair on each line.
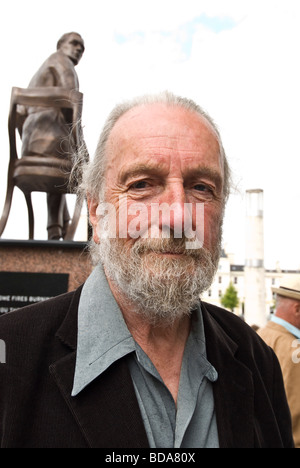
230,299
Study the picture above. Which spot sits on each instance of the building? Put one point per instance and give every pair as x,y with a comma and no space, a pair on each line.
228,272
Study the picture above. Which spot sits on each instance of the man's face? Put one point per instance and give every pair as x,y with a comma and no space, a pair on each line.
165,155
160,155
73,47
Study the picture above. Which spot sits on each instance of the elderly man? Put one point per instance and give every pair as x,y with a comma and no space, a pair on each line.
46,131
133,358
282,333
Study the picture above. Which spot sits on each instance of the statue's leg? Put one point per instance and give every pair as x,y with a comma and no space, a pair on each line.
66,216
55,218
30,215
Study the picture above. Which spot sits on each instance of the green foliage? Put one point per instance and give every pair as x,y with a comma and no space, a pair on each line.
230,299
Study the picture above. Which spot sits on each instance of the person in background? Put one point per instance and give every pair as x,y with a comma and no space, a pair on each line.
282,333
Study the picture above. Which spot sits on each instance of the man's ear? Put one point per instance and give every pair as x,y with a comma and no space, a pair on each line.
92,206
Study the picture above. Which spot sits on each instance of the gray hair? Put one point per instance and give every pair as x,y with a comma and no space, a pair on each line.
93,182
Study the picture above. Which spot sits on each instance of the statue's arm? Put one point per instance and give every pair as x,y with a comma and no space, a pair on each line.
66,75
21,116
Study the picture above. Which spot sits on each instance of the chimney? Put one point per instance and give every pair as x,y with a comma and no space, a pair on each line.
255,301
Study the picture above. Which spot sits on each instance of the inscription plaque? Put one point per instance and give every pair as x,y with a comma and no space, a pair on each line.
19,289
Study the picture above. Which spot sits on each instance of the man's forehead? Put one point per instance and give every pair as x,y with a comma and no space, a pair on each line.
159,135
163,121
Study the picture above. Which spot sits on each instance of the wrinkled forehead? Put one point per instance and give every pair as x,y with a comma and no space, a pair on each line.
168,126
161,119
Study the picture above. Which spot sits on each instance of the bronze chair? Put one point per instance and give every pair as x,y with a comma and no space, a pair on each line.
37,173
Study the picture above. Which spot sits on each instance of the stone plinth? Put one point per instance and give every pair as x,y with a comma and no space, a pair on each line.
69,261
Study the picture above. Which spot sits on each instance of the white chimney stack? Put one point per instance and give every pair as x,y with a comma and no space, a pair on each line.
255,297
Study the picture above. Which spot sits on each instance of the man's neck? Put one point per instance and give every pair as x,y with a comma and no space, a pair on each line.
164,344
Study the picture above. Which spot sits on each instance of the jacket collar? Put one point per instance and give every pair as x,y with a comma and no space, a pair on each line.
106,411
117,423
287,326
234,389
103,337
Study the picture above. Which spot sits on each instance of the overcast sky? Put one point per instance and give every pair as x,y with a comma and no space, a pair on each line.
237,59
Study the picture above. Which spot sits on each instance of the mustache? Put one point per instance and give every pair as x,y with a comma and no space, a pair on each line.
170,245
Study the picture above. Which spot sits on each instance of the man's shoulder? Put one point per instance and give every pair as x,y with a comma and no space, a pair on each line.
54,64
57,57
39,316
237,330
36,335
275,329
226,319
276,335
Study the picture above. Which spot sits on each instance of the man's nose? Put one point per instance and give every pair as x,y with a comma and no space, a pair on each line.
173,209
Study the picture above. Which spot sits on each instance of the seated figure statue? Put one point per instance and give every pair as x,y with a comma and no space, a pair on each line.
46,131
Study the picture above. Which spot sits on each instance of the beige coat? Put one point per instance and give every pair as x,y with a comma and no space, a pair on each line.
287,349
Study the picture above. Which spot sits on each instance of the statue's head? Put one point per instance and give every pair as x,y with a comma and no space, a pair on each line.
72,45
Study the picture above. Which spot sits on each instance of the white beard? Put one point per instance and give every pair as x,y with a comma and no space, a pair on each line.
161,288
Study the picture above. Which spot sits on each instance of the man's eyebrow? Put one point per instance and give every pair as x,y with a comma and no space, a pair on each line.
206,172
139,169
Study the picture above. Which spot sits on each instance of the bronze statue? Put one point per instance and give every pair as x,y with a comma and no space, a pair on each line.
46,131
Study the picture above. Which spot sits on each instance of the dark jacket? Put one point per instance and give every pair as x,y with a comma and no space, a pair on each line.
37,410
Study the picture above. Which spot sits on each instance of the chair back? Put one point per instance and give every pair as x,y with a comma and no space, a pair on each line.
38,173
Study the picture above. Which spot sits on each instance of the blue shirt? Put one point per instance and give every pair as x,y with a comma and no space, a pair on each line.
288,326
104,338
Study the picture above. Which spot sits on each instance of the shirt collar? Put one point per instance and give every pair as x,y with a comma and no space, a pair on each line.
196,348
194,359
103,336
288,326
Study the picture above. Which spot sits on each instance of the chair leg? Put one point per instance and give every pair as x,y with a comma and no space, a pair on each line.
75,219
7,206
30,215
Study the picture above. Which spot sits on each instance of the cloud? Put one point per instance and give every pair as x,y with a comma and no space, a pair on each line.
182,36
216,23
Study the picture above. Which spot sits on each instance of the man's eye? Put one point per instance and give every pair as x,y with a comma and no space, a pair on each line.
202,188
141,184
203,192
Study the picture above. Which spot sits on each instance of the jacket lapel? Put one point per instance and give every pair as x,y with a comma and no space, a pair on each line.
107,410
233,391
